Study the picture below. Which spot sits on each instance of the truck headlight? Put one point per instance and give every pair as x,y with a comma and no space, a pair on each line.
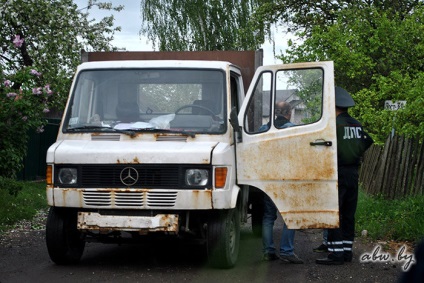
68,176
196,177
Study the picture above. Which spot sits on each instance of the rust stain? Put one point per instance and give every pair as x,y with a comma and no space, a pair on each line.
135,135
296,200
310,222
64,193
299,195
135,160
318,226
197,199
289,158
81,198
306,211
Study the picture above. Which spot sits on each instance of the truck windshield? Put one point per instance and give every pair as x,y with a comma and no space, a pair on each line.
186,100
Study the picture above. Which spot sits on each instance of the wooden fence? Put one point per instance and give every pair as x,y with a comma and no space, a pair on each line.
395,170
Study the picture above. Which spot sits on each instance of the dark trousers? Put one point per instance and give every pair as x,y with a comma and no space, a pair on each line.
340,240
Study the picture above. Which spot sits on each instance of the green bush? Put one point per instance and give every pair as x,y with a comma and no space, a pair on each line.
24,102
11,186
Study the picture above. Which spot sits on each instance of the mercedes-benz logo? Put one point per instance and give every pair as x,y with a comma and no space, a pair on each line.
129,176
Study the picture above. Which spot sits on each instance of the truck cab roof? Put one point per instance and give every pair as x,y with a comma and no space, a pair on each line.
158,64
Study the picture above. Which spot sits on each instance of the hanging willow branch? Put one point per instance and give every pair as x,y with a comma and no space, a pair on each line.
196,25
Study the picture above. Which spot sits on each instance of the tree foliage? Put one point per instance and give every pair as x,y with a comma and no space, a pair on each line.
21,110
195,25
378,56
376,45
40,48
54,32
304,15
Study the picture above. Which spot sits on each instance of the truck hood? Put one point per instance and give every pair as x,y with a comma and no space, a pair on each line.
110,152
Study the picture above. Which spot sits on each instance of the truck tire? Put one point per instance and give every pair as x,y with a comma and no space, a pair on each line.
65,244
223,240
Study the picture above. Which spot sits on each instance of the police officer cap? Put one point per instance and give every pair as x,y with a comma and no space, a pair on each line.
343,98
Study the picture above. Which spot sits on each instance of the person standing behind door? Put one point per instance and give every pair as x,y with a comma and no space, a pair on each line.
283,112
352,142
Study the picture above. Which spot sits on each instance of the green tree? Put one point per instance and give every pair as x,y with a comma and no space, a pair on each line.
40,49
53,33
304,15
194,25
378,56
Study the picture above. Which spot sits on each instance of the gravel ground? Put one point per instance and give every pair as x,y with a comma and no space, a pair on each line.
23,257
38,223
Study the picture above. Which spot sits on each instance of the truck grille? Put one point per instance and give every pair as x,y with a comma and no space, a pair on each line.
143,176
165,176
128,199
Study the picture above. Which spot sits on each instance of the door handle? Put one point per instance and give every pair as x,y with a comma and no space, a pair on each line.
321,142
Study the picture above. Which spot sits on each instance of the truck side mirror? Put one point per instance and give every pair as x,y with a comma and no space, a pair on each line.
235,124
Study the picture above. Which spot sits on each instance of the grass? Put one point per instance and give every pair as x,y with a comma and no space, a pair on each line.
22,203
397,220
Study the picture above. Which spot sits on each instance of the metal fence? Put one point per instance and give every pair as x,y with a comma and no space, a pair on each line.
395,170
38,143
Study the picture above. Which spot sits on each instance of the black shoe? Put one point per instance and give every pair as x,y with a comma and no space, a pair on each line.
291,259
348,256
269,257
331,259
321,249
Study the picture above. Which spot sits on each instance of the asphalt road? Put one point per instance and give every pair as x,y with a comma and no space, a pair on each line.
24,258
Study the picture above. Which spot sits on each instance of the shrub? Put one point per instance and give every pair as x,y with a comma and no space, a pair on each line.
24,102
11,186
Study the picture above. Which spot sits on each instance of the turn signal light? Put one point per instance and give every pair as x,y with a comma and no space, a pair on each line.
49,176
220,176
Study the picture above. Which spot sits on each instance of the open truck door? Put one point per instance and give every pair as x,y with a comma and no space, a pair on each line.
294,164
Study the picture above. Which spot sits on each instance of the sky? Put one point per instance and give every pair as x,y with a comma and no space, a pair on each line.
130,21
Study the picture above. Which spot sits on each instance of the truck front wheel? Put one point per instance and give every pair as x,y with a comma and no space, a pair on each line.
223,239
64,242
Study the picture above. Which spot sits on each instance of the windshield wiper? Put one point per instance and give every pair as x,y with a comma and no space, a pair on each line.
131,131
156,130
87,127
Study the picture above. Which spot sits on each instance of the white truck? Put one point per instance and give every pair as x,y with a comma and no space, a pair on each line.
150,146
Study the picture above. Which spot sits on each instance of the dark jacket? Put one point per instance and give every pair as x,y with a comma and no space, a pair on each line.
352,140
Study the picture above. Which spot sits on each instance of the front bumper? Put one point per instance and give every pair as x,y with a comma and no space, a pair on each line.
96,222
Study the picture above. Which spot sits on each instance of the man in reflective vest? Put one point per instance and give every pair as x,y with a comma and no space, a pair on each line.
352,142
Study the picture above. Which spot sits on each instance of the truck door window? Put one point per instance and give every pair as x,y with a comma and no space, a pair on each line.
235,92
301,91
257,117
